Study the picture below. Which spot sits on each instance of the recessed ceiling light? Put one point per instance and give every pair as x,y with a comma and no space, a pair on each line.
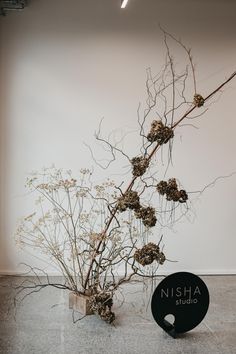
124,3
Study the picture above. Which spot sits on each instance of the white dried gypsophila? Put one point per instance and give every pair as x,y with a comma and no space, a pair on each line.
39,240
67,183
94,236
82,193
99,190
84,217
30,180
85,171
29,217
39,200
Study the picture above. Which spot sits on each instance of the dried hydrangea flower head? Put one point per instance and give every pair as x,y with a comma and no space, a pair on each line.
172,192
170,189
101,304
140,165
162,187
129,200
147,215
160,133
198,100
183,196
148,254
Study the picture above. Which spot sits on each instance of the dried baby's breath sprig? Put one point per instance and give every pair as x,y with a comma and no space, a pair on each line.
140,165
95,237
85,171
50,187
82,193
160,133
147,215
67,183
148,254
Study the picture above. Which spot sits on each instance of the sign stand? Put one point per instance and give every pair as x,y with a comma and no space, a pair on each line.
169,329
183,295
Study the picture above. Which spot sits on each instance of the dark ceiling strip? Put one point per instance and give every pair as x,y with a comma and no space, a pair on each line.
9,5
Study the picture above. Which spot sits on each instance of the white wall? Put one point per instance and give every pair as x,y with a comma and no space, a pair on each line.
67,63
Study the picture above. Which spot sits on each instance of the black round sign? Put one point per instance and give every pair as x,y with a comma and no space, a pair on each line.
183,295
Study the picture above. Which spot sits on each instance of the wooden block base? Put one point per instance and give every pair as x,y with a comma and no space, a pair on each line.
80,303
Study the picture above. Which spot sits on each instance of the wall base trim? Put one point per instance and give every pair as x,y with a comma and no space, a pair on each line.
162,273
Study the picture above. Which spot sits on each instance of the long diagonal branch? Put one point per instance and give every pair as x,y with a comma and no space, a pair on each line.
155,149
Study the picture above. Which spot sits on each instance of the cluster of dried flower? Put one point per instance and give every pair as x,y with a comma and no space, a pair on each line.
160,133
148,254
101,303
170,189
130,200
140,165
147,215
66,184
198,100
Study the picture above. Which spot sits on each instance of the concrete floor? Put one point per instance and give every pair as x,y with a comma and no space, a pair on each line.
43,324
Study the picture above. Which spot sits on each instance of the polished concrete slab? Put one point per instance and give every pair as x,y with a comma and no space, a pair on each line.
43,324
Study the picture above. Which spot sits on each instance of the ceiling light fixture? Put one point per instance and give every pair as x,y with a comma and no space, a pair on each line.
124,3
7,5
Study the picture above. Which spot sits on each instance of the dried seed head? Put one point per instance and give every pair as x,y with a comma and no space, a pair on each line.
140,165
160,133
198,100
147,215
129,200
148,254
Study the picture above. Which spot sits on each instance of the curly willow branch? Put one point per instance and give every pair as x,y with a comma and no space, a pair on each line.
150,156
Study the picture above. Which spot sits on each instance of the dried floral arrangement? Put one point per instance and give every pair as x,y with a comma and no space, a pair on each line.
88,230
